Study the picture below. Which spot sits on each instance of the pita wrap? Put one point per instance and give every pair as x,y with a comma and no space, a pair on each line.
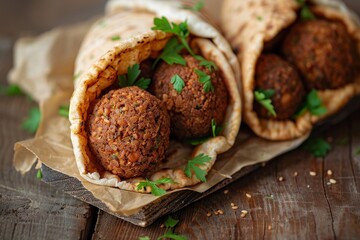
249,24
101,60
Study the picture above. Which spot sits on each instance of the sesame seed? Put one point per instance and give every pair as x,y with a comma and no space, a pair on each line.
232,204
296,174
332,181
269,227
329,172
243,213
281,179
221,212
208,214
162,225
234,207
312,173
308,186
226,191
248,195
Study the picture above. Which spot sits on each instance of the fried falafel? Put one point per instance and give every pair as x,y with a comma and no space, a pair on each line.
129,131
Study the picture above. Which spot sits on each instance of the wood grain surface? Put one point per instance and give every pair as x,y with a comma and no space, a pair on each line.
299,207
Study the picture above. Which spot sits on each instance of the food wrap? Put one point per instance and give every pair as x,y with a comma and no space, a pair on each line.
249,24
101,60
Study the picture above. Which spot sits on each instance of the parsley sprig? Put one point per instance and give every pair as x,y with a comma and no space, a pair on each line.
205,80
31,123
318,147
39,174
263,98
178,83
64,110
11,90
305,12
131,78
215,129
192,166
169,223
155,190
313,104
170,53
197,7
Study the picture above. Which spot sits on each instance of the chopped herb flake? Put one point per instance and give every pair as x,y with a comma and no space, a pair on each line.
216,130
155,190
39,174
318,147
115,38
170,222
144,238
64,110
170,235
259,18
178,83
263,98
31,123
11,90
205,80
197,7
192,166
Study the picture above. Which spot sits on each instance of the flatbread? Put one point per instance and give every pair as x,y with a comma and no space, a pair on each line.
102,59
249,24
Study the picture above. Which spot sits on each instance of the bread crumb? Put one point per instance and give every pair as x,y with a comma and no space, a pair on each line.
209,214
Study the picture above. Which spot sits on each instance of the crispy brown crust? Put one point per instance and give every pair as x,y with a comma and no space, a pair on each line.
192,110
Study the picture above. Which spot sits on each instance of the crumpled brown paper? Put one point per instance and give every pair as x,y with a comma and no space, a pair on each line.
52,145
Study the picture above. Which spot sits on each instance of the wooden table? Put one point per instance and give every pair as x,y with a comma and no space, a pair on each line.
302,206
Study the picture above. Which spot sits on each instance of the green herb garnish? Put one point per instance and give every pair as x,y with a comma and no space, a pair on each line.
198,141
115,38
216,130
259,18
208,64
263,98
11,90
76,76
313,104
64,110
170,53
305,12
205,80
131,79
144,238
171,235
155,190
197,7
31,123
178,83
170,222
317,147
192,166
39,174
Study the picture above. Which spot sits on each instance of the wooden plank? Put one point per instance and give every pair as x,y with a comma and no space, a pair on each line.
301,206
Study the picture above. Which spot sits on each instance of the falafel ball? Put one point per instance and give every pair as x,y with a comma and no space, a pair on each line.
129,131
324,53
191,110
272,72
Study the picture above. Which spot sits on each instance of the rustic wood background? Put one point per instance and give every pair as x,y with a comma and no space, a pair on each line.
301,207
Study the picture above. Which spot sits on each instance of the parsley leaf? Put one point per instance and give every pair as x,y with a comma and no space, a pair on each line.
64,110
115,38
39,174
205,80
169,234
31,123
317,146
178,83
170,53
198,141
155,190
170,222
144,238
197,7
208,64
216,130
314,104
305,12
130,79
11,90
263,97
200,159
181,31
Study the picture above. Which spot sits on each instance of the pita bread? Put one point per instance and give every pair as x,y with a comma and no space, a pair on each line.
249,24
101,60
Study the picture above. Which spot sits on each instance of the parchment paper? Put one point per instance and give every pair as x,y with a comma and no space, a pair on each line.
51,144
